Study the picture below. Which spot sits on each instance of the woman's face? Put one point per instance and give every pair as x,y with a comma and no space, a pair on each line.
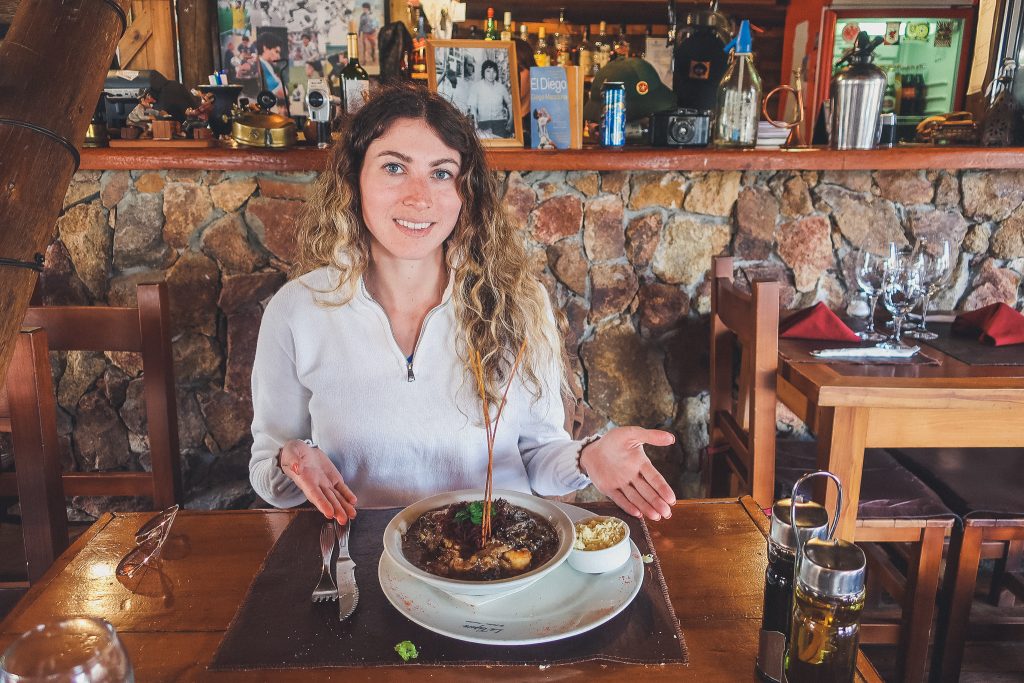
408,191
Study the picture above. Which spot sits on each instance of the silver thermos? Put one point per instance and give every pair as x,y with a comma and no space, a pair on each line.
856,97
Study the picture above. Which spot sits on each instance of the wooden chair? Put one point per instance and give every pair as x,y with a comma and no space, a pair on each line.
146,330
746,456
28,412
985,486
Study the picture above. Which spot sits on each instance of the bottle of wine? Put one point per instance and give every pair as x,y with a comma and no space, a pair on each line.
355,82
541,54
506,26
491,26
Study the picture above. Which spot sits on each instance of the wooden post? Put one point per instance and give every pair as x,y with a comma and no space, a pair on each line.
44,86
197,34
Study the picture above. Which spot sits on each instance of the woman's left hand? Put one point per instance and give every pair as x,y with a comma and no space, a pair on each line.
619,468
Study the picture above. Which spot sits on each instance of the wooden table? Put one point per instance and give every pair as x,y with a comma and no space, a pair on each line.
712,552
852,407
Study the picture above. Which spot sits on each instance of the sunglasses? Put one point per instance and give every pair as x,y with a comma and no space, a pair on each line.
149,540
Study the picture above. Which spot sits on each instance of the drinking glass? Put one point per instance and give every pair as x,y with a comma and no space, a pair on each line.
901,290
81,650
935,263
870,269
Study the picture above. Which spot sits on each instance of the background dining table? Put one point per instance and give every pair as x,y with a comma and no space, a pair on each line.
853,406
172,619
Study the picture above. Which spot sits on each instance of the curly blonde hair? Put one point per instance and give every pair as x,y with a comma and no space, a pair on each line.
497,303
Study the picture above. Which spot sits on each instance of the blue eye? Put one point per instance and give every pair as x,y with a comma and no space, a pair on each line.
393,168
442,174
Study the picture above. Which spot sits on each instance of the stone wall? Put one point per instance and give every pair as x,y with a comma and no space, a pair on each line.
625,256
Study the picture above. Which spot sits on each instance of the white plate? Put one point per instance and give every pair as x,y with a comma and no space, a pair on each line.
562,604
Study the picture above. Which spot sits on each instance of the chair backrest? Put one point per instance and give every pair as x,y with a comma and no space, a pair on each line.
147,330
747,326
28,412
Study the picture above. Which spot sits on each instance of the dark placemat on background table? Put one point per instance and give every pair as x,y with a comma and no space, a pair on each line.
799,351
278,627
968,349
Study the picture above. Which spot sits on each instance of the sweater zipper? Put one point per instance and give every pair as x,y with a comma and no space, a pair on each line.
410,375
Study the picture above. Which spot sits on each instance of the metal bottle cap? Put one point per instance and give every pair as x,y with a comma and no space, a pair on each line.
833,568
811,518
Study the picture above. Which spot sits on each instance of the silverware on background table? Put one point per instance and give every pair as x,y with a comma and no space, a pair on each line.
325,588
348,591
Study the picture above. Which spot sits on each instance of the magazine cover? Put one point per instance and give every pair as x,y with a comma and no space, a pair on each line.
555,94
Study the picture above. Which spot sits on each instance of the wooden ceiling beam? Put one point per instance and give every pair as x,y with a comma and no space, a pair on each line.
47,97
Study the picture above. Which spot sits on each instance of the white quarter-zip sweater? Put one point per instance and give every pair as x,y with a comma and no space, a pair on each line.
397,430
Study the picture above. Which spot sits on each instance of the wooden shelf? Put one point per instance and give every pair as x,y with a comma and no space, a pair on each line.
592,159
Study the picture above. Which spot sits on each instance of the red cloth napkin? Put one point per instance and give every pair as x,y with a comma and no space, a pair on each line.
817,322
995,324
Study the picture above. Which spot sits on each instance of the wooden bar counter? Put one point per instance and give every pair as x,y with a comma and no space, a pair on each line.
588,159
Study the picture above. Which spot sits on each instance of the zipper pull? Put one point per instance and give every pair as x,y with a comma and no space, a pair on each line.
408,366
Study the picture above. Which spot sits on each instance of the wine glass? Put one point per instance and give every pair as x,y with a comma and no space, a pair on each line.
870,269
901,290
935,264
81,650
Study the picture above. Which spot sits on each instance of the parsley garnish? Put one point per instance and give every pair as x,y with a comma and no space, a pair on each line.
406,650
474,512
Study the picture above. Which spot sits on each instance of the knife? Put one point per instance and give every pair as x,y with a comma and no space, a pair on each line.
344,568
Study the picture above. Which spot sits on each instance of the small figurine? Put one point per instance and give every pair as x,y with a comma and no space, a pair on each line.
197,118
144,113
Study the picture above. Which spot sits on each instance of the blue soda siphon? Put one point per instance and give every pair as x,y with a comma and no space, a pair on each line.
739,95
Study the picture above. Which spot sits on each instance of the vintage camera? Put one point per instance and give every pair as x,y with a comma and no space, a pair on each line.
318,99
681,128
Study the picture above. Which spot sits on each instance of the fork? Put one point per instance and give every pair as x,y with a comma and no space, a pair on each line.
325,587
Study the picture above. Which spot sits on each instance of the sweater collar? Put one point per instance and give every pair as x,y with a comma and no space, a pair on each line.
363,294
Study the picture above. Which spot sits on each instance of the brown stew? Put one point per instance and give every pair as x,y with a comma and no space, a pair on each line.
446,542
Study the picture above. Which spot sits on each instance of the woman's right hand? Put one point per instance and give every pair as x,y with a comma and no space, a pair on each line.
318,478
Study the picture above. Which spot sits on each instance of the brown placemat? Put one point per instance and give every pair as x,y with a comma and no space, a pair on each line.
968,349
799,351
278,627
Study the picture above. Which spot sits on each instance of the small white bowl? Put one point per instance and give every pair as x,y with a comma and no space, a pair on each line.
605,559
464,589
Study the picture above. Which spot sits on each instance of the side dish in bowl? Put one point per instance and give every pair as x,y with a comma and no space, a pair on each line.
602,544
438,541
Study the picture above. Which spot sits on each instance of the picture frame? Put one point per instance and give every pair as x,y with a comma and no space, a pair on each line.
459,71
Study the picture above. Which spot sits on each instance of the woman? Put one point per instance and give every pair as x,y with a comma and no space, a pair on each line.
409,266
490,103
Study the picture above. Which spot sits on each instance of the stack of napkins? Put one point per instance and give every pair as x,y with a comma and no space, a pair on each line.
768,136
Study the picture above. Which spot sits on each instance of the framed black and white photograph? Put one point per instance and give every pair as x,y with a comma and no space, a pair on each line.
480,78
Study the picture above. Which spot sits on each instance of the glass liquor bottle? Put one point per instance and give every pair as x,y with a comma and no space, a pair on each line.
506,30
563,41
621,47
585,52
491,26
355,82
541,54
419,41
602,48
